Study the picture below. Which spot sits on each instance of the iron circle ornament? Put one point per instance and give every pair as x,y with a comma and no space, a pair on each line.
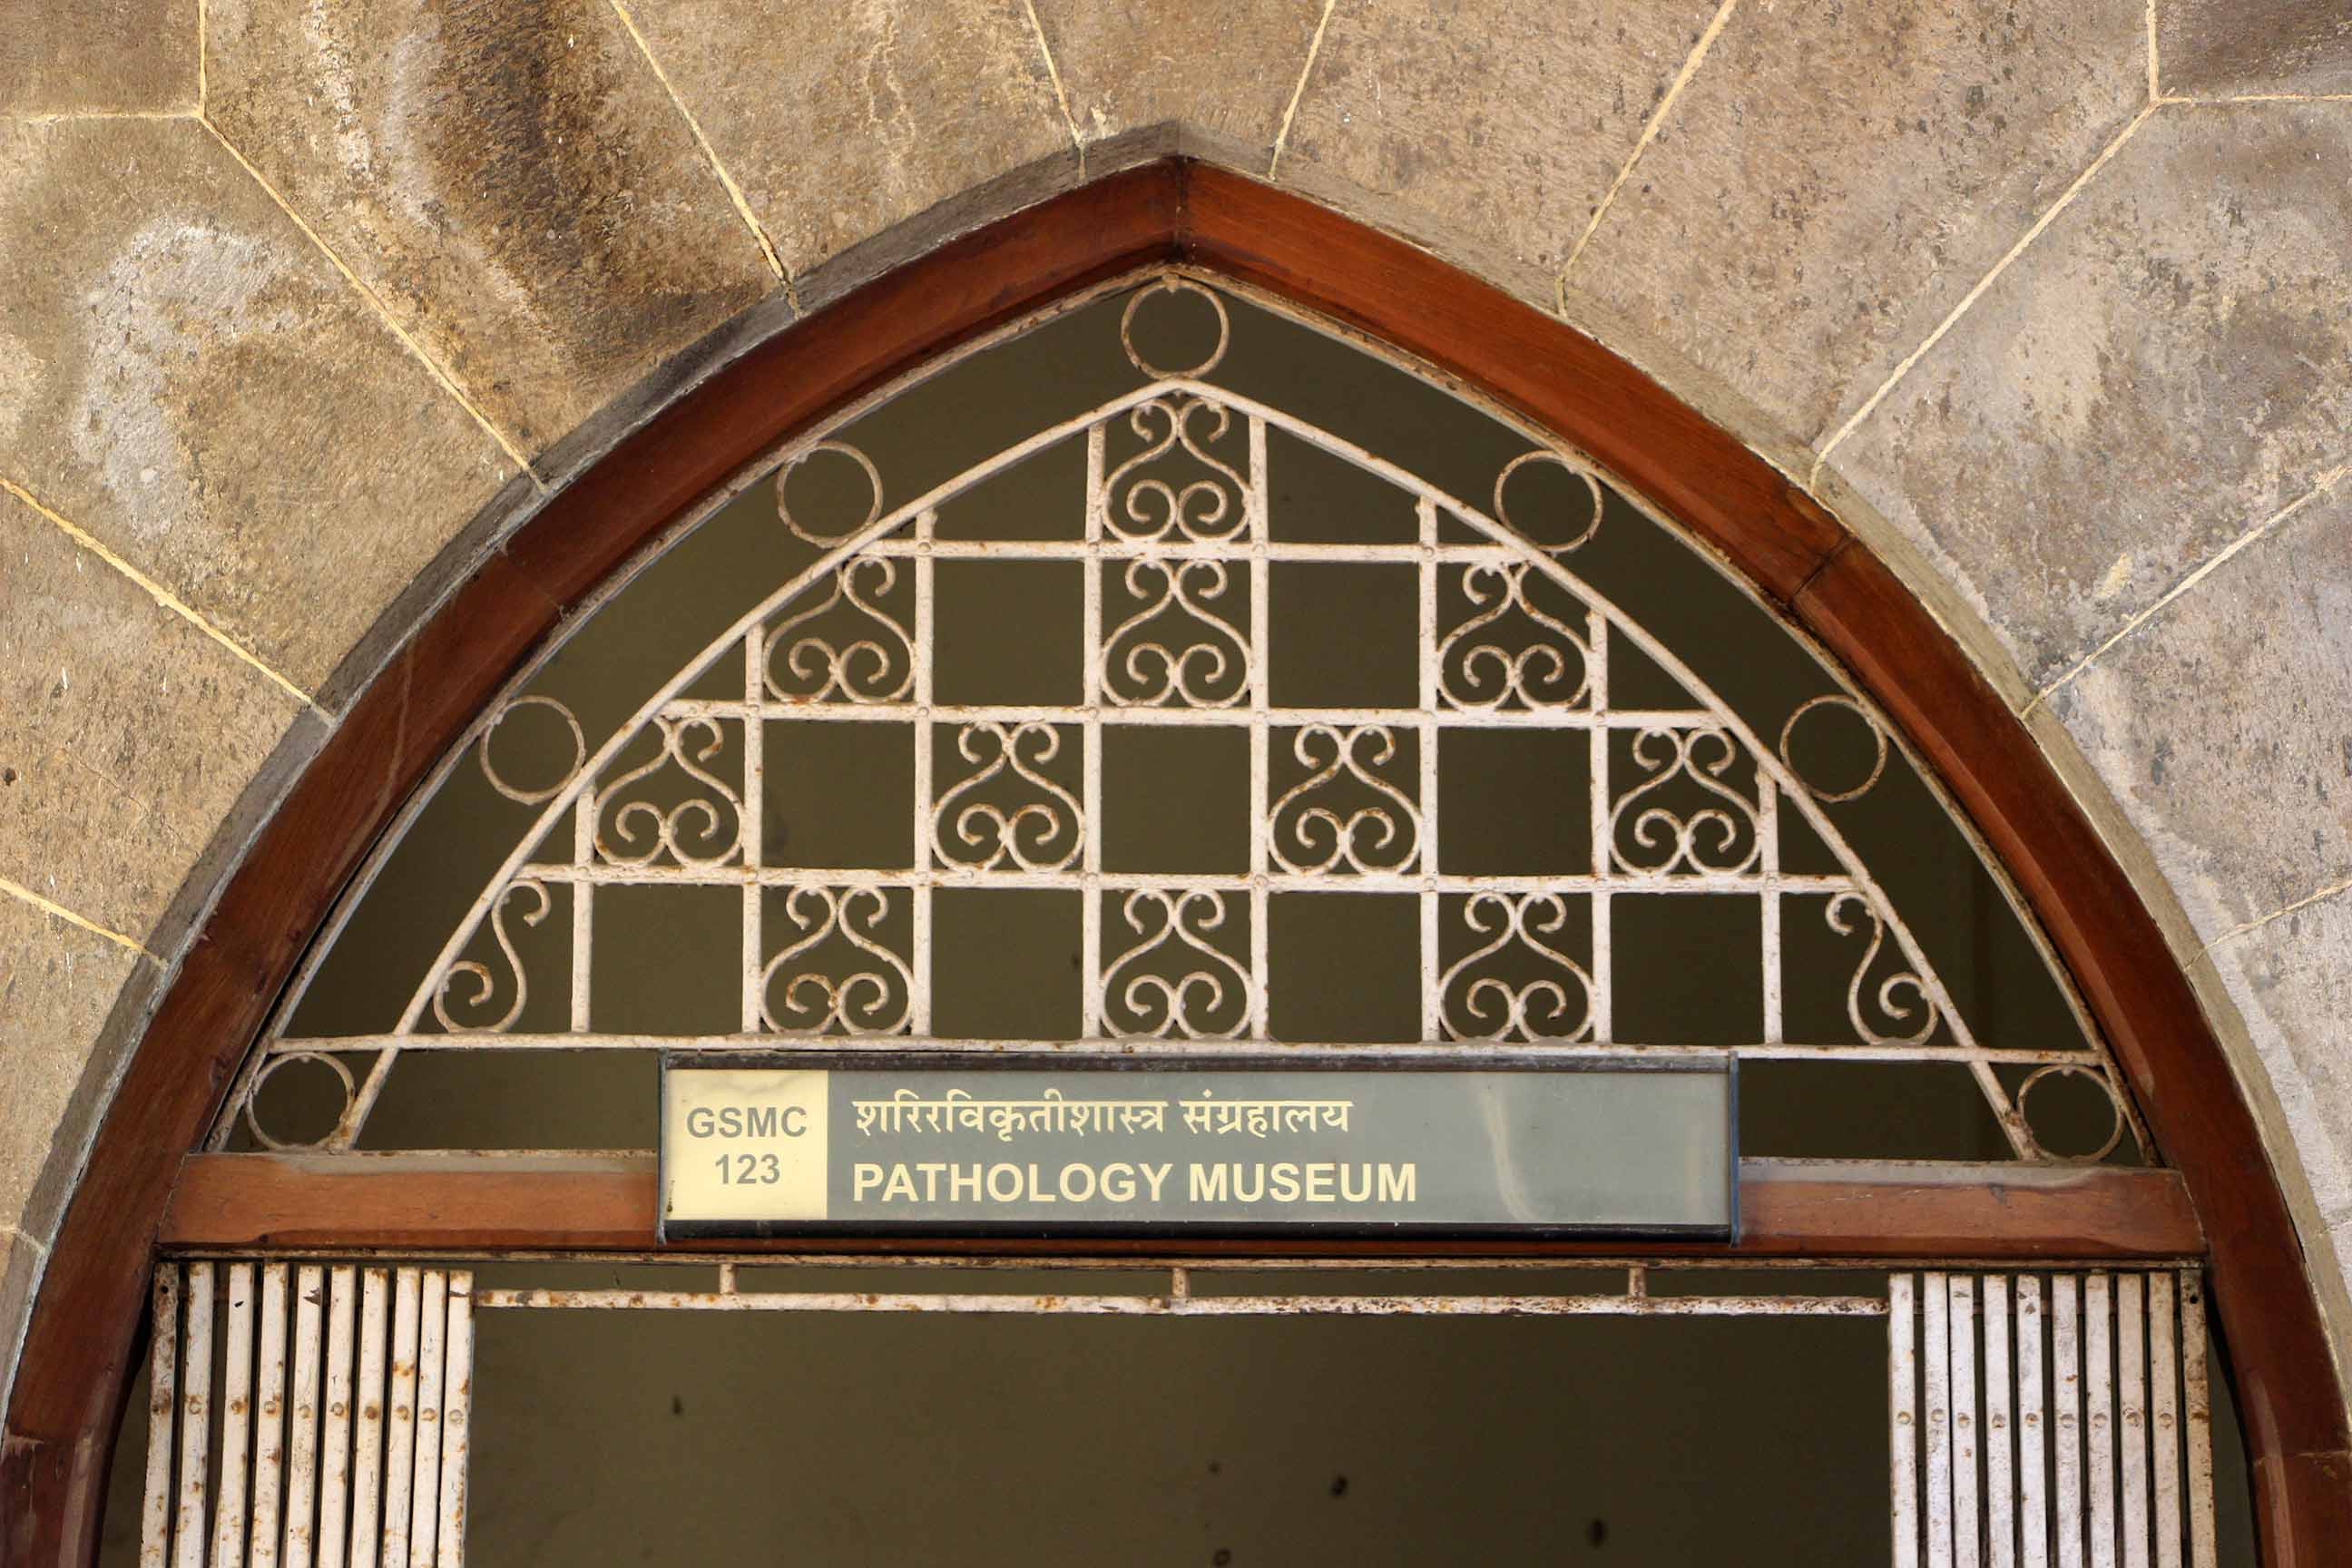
1173,285
2068,1070
1789,760
269,1069
515,792
841,448
1545,455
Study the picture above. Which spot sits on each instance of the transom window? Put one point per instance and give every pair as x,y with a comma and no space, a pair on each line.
1173,672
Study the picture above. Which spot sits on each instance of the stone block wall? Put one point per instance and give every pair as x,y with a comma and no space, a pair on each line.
302,308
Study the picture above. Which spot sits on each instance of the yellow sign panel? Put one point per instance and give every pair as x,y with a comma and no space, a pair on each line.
744,1144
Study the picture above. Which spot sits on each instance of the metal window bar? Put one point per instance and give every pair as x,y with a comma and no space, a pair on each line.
1214,533
288,1489
2129,1483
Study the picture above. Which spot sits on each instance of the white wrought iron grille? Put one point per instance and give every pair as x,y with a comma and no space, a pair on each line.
1183,578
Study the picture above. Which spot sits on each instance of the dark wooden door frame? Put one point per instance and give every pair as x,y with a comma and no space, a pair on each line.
84,1330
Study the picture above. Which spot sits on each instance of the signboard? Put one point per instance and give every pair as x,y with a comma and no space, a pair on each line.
1049,1148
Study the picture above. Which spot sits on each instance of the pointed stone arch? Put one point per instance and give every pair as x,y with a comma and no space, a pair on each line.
1795,553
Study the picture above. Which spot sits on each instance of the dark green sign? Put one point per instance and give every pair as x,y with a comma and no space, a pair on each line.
1044,1148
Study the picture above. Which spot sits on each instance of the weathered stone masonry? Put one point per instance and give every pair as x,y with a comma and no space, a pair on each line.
300,308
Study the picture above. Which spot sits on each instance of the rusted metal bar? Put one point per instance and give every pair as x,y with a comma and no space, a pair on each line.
236,1421
1936,1298
2066,1423
162,1402
2164,1417
457,1422
2001,1492
1967,1535
196,1419
1191,1306
2099,1417
302,1419
400,1416
1453,1053
2198,1398
425,1488
335,1444
368,1423
2033,1430
1903,1416
2131,1413
269,1419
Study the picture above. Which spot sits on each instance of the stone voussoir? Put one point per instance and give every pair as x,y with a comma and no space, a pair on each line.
2167,365
1833,180
2225,48
2291,978
185,377
858,116
1225,68
59,983
99,57
1486,129
513,181
2223,724
126,734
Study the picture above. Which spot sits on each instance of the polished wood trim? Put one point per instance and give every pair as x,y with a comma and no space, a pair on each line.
438,1204
74,1369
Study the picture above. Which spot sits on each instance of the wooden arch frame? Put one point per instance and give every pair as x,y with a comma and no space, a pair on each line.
77,1358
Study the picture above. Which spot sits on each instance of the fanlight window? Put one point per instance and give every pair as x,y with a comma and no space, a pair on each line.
1172,672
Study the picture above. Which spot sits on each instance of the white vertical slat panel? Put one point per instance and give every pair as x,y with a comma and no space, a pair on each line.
2099,1420
2199,1413
425,1486
163,1403
1936,1352
2066,1416
400,1418
2131,1413
335,1435
456,1424
1902,1417
268,1418
196,1418
2164,1418
1967,1539
236,1420
302,1419
367,1439
2001,1495
2032,1431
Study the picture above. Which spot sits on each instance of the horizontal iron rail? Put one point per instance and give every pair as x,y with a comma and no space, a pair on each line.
452,1203
1186,1306
1459,1054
